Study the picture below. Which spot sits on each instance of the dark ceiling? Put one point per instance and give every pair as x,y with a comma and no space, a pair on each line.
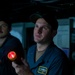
21,10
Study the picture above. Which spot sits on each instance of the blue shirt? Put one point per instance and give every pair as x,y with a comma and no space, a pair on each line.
52,62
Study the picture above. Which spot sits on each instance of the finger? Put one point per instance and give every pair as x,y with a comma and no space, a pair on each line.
15,65
24,62
17,70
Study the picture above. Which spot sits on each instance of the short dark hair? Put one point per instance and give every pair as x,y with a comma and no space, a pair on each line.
50,18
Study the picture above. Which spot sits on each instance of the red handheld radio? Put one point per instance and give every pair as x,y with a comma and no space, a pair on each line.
14,57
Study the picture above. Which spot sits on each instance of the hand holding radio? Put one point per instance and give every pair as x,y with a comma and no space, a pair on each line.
22,69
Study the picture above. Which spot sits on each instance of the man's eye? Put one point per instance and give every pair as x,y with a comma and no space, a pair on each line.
36,26
45,28
4,25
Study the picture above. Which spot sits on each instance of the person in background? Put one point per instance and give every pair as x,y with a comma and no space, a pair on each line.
8,43
44,58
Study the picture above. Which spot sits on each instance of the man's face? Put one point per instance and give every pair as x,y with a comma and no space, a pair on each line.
3,29
42,31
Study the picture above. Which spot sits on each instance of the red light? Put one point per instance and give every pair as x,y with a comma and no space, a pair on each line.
12,55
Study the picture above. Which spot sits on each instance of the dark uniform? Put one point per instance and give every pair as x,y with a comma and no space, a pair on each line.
11,43
52,62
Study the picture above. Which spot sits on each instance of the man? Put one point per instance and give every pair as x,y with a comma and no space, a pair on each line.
44,58
8,43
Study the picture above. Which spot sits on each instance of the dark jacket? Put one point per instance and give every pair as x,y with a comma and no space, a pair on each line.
11,43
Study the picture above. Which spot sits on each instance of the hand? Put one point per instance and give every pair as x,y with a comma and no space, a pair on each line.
22,69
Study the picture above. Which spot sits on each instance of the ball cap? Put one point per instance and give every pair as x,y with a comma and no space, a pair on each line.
52,21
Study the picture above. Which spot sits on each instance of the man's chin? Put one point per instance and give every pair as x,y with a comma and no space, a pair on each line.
36,41
2,36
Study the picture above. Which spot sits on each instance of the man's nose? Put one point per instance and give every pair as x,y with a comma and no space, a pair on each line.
40,30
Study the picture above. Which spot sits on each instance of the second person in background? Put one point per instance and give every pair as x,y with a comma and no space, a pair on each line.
8,43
